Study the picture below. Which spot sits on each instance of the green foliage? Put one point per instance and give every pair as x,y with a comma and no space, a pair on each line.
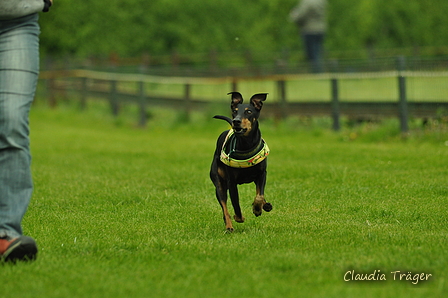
157,27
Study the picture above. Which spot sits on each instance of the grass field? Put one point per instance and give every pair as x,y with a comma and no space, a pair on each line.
125,212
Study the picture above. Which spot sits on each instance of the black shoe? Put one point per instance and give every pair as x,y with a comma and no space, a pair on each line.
23,248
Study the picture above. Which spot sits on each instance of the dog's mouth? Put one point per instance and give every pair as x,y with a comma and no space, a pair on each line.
239,130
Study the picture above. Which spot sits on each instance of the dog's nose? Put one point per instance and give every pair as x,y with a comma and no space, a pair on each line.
236,122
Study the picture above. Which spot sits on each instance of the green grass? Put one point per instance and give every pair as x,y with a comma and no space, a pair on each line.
125,212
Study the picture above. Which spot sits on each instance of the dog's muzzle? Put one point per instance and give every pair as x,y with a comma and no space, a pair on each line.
237,126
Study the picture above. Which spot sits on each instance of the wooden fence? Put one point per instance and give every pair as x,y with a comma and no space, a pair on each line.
103,85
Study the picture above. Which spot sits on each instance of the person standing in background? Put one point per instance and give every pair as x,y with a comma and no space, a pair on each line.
19,70
310,17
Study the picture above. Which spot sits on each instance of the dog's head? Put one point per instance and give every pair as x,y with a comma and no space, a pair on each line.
245,115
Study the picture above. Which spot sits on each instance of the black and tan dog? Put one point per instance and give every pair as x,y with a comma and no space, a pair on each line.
241,157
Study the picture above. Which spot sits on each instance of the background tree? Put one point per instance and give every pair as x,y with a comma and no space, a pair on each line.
158,27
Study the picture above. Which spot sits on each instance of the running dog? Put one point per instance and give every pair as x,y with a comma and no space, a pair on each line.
241,157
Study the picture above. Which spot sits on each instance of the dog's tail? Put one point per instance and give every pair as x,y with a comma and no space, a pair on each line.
223,118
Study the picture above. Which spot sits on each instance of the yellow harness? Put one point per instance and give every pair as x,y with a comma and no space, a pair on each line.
261,152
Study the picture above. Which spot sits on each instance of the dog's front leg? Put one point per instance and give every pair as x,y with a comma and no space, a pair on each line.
226,215
260,203
218,177
221,195
234,197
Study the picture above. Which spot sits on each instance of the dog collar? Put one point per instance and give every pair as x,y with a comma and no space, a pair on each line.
255,156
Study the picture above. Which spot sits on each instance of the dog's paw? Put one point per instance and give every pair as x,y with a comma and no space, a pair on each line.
239,219
267,207
257,210
229,230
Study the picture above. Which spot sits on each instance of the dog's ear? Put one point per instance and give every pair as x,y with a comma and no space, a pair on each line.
237,99
257,100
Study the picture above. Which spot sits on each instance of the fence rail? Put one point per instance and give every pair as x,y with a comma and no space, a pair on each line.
104,85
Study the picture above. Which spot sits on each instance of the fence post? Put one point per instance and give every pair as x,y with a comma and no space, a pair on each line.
403,104
234,85
113,98
50,83
335,104
83,93
281,87
52,102
187,98
142,104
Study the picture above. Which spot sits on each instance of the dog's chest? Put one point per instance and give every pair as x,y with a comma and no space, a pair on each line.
246,175
232,157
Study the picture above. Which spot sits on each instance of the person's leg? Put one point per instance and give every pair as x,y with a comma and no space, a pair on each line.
308,44
19,67
316,51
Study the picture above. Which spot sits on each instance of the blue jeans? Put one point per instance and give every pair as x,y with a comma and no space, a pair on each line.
314,47
19,69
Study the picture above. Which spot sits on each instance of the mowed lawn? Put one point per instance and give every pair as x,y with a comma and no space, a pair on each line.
120,211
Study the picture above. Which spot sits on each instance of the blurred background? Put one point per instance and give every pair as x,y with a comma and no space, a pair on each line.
229,33
238,40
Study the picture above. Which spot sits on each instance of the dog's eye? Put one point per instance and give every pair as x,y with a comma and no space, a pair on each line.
248,112
235,111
